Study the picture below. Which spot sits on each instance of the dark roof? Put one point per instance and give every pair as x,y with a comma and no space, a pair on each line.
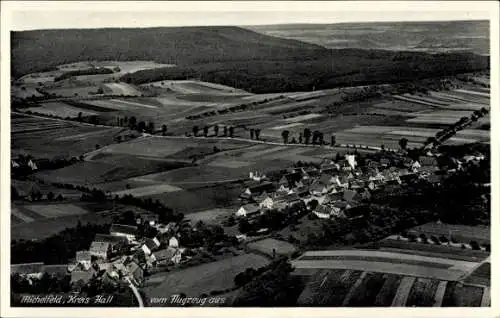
261,187
251,208
99,247
167,253
84,276
151,244
349,195
427,161
26,268
83,256
120,228
109,238
337,196
293,177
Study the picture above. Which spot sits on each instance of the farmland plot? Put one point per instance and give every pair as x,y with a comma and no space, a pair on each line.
387,291
267,246
60,109
457,295
121,89
73,91
365,294
204,278
56,210
461,233
422,293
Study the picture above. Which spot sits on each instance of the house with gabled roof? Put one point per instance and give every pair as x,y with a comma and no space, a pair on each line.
164,256
84,258
255,189
266,203
248,210
100,249
127,231
351,196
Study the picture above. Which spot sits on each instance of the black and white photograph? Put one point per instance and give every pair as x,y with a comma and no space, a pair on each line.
252,155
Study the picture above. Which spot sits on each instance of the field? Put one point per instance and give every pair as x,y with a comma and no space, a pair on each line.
121,89
385,262
210,216
481,275
461,233
47,138
445,251
463,296
204,278
267,246
60,109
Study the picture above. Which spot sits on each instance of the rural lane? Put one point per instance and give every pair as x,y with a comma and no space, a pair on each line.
135,291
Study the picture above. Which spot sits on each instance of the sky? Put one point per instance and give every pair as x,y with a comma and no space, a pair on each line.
37,15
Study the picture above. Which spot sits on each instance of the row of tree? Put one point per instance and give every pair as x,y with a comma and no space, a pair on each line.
318,137
227,131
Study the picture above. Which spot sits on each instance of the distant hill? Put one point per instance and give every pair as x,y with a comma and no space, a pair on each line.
236,57
44,49
440,36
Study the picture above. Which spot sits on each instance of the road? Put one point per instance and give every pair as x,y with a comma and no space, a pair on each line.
136,292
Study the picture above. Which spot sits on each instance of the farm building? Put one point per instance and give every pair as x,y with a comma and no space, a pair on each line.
257,188
248,210
84,258
116,242
100,249
290,179
164,256
126,231
173,242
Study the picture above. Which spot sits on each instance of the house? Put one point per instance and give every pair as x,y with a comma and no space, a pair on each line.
415,166
81,278
100,249
164,256
248,210
332,197
127,231
319,189
267,203
366,195
176,259
356,184
173,242
290,179
384,162
351,195
148,218
342,205
283,188
150,245
300,191
256,176
84,258
28,270
371,185
171,227
427,161
409,178
435,178
322,212
135,271
256,188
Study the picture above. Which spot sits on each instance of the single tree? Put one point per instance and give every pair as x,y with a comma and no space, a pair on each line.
231,131
285,135
300,138
307,135
205,131
164,129
141,126
257,134
225,131
195,131
151,127
216,130
403,142
79,116
332,141
252,132
132,122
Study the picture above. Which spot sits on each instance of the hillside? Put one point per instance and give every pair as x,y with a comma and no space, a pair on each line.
234,57
439,36
44,49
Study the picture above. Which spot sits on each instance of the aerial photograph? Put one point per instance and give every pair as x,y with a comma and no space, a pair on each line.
254,164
